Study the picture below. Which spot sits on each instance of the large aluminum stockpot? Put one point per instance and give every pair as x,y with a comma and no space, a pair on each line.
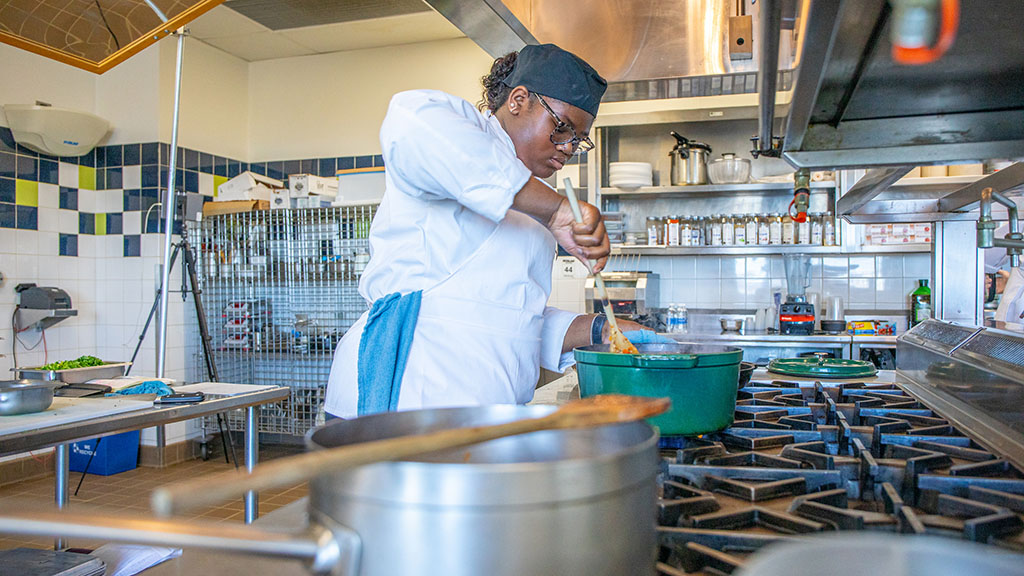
568,502
574,502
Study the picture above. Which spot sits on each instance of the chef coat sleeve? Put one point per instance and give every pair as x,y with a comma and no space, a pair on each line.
436,145
552,338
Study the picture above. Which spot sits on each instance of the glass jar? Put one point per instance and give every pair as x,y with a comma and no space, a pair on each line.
697,231
828,227
728,231
817,234
653,231
672,231
763,229
750,222
739,230
803,231
788,229
716,230
775,229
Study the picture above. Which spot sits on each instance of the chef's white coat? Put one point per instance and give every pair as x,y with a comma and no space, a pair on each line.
445,227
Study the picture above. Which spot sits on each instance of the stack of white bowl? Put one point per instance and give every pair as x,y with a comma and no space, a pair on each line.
630,175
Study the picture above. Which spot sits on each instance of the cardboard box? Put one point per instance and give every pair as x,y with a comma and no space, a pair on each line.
280,199
215,208
248,186
302,185
360,186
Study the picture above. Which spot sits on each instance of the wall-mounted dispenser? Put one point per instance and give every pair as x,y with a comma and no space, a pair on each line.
55,131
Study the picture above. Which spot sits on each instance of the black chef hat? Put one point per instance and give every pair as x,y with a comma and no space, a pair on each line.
550,71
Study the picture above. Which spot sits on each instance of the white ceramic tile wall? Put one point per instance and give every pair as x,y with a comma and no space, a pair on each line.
864,282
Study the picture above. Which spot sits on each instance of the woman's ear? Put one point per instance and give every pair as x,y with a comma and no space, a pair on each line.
518,100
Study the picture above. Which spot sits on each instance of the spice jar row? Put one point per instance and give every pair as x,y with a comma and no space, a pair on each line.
741,230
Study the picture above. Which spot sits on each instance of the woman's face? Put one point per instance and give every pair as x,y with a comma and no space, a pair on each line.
530,126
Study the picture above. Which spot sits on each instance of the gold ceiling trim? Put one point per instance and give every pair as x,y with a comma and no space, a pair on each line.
136,46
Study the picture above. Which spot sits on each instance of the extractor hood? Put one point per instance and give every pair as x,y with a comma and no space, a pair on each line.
854,106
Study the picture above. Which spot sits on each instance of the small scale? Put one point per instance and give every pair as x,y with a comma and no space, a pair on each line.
822,367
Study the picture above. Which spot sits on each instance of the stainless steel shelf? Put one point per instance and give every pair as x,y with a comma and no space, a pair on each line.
710,189
618,249
936,183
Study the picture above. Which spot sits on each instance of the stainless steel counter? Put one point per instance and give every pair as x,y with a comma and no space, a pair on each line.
759,347
768,337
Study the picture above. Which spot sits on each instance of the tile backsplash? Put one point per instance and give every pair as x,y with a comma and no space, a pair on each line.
865,282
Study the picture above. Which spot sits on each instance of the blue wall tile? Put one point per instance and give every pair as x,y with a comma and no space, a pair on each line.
7,140
69,160
88,159
150,176
8,165
68,198
86,223
191,161
165,153
113,178
101,157
132,200
115,223
364,161
308,167
191,181
275,170
148,197
326,167
26,152
7,215
132,245
258,168
378,161
206,163
234,168
132,154
150,153
154,224
346,163
28,217
220,166
48,171
68,244
114,156
8,188
28,168
291,167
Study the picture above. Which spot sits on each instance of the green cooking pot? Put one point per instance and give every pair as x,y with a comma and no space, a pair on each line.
699,379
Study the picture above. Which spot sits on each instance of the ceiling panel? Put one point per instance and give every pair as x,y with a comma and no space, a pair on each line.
406,29
285,14
223,21
260,46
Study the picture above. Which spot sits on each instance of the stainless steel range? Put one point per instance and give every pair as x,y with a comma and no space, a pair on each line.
809,457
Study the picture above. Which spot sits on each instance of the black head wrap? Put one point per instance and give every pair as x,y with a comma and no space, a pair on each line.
550,71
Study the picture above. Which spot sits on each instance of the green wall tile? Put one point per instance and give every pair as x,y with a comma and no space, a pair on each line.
87,177
217,181
101,224
26,193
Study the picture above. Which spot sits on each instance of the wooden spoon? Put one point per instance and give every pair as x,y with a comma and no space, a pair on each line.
619,343
206,491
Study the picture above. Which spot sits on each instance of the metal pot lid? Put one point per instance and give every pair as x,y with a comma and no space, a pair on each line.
26,384
822,367
684,144
662,355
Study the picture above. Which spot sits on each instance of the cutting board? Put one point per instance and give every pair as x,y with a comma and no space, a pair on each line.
66,410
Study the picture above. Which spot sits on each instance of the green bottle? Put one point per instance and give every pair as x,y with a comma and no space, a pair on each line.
921,303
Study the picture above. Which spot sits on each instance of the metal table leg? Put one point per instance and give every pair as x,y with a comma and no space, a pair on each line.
251,456
63,459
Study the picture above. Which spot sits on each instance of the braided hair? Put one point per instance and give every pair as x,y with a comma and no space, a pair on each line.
495,91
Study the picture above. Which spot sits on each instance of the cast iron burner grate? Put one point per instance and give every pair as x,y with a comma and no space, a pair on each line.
818,458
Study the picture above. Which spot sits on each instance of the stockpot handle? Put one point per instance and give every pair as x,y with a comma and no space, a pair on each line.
659,360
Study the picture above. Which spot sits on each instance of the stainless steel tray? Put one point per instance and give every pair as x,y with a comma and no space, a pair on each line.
75,375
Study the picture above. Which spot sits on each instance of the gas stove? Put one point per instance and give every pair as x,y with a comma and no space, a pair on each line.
809,457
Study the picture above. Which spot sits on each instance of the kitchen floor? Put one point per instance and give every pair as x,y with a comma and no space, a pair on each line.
128,494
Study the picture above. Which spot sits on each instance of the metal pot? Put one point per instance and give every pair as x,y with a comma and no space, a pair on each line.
689,161
573,502
25,396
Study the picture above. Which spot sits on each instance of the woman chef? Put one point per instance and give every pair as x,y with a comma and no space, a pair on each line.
464,240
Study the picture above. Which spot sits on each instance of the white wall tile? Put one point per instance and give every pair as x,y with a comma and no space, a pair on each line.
834,267
67,221
684,267
131,177
816,267
734,267
87,200
132,222
8,241
708,292
917,265
206,184
862,267
67,174
681,291
660,265
49,195
862,290
28,268
777,267
758,267
48,247
26,242
889,265
839,288
709,267
889,293
110,200
758,292
48,221
734,292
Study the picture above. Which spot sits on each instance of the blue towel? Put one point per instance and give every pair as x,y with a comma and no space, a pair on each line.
384,349
148,387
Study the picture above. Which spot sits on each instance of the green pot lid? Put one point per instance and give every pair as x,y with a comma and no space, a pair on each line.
822,367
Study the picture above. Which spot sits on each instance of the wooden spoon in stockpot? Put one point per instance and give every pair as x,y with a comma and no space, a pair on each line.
585,413
618,341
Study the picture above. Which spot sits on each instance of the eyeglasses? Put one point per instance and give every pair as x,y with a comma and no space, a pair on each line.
565,134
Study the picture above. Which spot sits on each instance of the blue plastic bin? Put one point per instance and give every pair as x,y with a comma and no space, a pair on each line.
115,454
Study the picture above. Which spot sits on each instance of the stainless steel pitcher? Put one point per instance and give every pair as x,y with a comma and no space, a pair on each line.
689,161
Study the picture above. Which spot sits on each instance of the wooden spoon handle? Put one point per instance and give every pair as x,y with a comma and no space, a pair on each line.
206,491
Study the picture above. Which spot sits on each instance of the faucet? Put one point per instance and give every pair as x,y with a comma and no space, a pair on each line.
1014,241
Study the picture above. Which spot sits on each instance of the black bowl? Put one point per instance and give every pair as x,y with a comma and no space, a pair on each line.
746,371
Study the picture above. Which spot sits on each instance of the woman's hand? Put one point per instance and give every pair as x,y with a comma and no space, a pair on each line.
586,241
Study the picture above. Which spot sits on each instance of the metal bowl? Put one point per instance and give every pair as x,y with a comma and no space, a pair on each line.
733,324
25,396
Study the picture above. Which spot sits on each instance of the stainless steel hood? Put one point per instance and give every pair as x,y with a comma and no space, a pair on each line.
625,40
853,106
